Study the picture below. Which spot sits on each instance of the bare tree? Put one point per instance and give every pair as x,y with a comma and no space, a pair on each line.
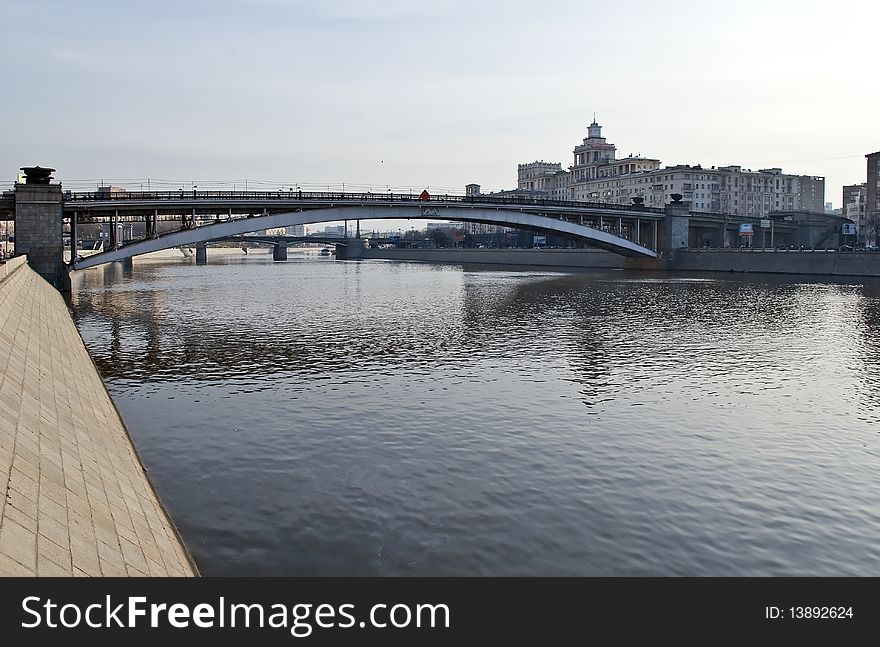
871,227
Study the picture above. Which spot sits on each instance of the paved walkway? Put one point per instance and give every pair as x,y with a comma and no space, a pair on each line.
74,498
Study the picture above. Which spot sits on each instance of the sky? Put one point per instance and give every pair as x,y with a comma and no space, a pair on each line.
410,93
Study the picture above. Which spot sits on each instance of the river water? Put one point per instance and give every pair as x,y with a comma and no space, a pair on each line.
316,417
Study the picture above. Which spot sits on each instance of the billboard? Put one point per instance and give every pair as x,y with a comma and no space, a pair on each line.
745,229
765,224
537,241
849,229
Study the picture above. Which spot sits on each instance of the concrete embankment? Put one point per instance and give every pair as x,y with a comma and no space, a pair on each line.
74,496
771,262
780,262
537,257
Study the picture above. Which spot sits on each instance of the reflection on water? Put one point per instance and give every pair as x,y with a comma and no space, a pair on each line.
316,417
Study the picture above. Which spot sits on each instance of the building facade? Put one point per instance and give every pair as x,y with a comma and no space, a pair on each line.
547,178
854,206
596,167
597,175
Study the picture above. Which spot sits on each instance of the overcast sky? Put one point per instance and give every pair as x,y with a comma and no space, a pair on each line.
442,93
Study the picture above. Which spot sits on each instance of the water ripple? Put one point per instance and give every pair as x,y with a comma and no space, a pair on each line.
324,418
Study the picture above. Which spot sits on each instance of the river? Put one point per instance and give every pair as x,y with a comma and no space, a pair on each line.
317,417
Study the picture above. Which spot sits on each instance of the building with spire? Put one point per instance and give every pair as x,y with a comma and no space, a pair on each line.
597,175
595,159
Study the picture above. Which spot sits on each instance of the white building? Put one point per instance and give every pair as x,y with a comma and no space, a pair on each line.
596,166
597,175
544,177
855,206
296,230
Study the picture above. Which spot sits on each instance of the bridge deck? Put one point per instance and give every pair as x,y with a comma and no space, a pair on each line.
257,201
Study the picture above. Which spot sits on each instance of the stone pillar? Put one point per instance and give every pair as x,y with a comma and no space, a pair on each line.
677,223
39,228
352,250
279,252
672,236
201,254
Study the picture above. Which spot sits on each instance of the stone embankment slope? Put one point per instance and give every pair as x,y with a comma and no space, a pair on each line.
74,496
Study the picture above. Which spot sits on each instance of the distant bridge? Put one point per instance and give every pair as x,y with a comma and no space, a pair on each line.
212,215
279,244
288,240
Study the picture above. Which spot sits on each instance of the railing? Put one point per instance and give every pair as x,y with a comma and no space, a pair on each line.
8,266
130,196
783,250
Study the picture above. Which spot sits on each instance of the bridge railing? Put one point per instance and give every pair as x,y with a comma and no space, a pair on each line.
292,195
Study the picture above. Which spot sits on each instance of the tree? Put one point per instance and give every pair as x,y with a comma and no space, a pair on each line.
871,228
440,237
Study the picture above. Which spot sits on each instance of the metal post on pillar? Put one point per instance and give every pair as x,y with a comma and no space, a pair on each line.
655,236
620,226
357,229
114,223
601,224
73,238
638,231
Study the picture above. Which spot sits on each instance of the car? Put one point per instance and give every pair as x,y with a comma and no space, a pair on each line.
870,248
845,248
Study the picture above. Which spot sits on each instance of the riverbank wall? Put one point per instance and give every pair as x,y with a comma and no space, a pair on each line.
768,262
596,258
75,498
779,262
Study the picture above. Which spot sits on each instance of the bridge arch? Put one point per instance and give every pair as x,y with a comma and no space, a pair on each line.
508,217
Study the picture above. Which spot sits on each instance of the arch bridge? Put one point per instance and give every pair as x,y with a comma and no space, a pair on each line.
209,215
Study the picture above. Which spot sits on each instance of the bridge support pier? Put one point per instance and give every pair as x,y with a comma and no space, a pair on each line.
39,229
677,223
279,252
201,254
672,237
352,250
